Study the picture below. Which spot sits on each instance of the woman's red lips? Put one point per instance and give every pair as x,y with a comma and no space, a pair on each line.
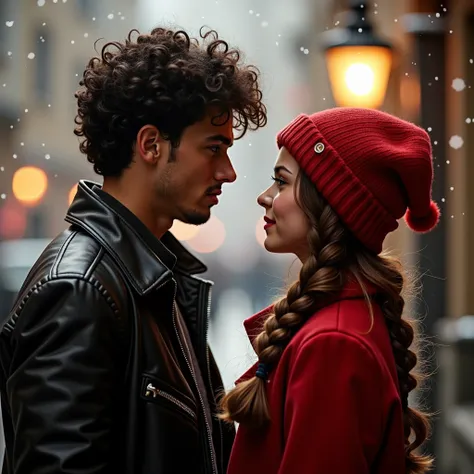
269,222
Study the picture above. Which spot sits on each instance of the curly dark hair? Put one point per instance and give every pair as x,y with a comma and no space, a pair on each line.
165,79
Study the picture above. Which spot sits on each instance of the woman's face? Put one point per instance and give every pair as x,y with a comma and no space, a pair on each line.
286,224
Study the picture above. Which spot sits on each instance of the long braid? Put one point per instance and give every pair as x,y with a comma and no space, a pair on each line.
402,334
335,256
319,279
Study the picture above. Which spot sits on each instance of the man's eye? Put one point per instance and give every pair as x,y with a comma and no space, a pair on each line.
215,148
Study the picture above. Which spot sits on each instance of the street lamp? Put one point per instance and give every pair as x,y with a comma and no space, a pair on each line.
358,61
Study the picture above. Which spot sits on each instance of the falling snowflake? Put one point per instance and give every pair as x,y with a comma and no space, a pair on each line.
9,23
110,16
264,24
86,35
31,55
451,188
47,156
456,142
9,53
2,168
41,3
458,84
15,156
468,120
3,196
471,61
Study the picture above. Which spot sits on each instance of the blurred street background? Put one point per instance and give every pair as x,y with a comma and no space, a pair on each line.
417,62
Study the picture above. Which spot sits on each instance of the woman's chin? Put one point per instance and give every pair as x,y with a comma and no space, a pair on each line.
272,246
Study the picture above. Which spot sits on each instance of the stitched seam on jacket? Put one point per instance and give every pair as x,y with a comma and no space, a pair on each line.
10,325
95,262
54,268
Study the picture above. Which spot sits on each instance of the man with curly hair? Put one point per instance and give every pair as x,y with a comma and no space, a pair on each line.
105,365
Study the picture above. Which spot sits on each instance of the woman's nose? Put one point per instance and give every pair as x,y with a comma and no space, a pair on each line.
265,199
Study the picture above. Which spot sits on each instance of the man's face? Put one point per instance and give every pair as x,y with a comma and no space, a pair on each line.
189,180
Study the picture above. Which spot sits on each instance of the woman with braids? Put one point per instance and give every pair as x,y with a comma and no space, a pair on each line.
329,393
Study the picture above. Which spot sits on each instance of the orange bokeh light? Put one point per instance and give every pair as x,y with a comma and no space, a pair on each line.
29,185
72,194
210,236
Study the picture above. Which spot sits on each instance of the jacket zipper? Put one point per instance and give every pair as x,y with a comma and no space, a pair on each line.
152,391
206,421
208,315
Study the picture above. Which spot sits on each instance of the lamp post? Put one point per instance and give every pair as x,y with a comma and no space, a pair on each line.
358,61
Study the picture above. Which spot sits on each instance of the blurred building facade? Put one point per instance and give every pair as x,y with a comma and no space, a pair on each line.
43,55
44,47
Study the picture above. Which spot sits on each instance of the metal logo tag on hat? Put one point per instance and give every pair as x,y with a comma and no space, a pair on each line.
319,147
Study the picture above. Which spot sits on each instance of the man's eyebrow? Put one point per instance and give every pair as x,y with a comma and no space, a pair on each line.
220,138
282,168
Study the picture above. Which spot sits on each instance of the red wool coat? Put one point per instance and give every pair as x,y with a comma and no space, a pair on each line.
333,398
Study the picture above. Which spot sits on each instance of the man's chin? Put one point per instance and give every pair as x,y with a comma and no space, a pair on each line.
196,218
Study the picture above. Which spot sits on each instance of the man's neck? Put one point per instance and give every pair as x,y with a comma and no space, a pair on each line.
139,205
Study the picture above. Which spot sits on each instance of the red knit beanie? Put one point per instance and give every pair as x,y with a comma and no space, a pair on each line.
371,167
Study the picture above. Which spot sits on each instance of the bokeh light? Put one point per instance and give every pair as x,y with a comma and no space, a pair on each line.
29,185
260,233
72,194
210,236
12,220
184,231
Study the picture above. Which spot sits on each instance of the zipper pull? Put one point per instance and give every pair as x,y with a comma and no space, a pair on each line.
151,390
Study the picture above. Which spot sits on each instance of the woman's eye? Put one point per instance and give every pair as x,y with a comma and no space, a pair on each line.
278,181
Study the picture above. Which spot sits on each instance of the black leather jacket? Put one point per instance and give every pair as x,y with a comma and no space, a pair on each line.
94,378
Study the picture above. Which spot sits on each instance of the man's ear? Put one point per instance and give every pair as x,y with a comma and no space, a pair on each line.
150,145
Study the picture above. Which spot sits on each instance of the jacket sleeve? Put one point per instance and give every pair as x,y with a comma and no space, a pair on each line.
333,410
64,379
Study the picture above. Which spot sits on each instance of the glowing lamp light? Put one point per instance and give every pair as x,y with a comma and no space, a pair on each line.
358,62
29,185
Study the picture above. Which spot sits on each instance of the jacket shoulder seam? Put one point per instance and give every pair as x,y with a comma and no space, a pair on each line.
55,266
10,324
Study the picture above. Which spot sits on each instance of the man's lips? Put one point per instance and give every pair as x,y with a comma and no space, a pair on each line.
212,195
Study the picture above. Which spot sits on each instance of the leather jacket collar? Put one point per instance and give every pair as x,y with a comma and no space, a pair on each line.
146,261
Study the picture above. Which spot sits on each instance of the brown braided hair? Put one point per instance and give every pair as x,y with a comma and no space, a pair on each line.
336,256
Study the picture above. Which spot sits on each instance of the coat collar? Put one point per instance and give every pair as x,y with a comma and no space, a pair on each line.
352,290
146,261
